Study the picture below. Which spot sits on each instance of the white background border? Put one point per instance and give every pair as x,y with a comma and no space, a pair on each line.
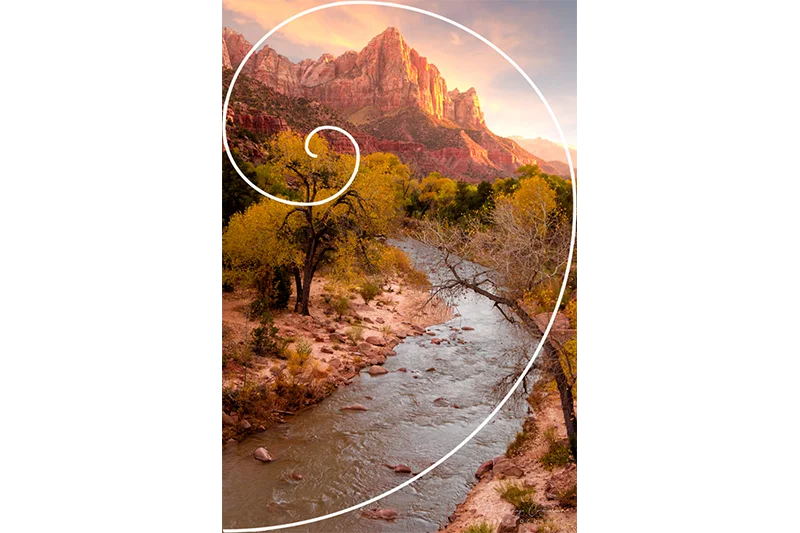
688,283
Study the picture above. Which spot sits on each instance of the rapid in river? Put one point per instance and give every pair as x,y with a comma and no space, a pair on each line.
413,418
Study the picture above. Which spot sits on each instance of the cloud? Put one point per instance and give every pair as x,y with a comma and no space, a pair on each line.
455,39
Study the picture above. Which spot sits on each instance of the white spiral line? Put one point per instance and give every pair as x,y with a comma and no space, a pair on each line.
527,368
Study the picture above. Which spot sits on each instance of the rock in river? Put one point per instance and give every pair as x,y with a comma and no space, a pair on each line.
376,370
354,407
262,455
380,514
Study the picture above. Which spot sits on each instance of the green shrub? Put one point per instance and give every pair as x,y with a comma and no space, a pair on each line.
558,452
568,497
480,527
303,348
264,340
369,291
521,497
340,305
274,287
354,334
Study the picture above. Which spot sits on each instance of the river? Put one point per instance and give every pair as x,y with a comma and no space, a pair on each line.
341,454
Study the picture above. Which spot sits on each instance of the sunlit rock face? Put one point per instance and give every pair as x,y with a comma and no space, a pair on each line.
385,76
393,100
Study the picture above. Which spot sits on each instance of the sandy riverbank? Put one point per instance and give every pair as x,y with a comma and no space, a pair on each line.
484,503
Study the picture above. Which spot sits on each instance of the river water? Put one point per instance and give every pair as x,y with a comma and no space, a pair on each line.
341,454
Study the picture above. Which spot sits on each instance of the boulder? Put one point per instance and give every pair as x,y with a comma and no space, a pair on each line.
431,369
228,420
508,524
484,469
376,370
378,360
391,353
367,320
402,469
380,514
335,363
468,328
365,348
262,455
244,425
379,320
325,349
504,467
431,333
376,341
436,341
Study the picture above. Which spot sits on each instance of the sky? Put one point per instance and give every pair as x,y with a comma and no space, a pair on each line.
540,35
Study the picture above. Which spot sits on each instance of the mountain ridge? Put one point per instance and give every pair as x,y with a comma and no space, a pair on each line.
389,92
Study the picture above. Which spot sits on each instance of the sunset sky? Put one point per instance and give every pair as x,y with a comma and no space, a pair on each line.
539,35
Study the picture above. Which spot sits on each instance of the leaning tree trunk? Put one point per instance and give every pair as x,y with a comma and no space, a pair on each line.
549,355
553,364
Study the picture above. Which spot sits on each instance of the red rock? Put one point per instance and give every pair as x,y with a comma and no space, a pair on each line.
376,370
376,341
484,469
262,455
380,514
354,407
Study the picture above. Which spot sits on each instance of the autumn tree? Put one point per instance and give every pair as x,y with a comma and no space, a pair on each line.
305,238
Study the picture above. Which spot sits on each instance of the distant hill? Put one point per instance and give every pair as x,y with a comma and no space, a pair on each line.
547,149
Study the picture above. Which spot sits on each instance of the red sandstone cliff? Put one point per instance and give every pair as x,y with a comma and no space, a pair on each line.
394,98
385,76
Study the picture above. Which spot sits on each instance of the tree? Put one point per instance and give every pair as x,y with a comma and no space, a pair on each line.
305,238
521,259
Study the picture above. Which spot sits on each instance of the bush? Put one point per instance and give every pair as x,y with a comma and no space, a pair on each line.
521,498
558,453
369,291
480,527
568,497
303,348
354,334
274,288
340,305
264,340
297,361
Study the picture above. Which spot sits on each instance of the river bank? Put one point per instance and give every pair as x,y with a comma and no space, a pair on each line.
261,391
533,464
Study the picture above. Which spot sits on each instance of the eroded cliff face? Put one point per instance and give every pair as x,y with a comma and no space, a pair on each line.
385,76
390,99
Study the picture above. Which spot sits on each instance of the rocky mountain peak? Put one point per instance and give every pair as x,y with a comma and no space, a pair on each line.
387,75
